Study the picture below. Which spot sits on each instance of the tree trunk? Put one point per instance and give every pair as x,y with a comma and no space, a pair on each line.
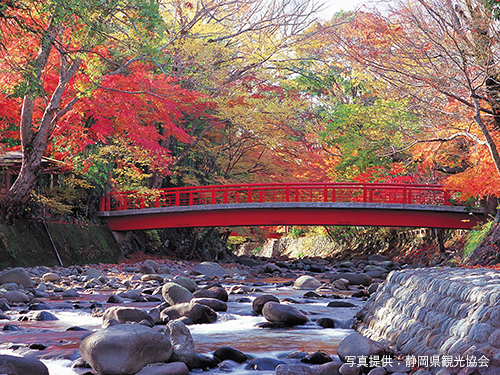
34,144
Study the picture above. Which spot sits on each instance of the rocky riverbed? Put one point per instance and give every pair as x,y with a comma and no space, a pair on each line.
173,317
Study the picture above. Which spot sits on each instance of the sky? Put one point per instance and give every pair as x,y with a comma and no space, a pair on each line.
333,6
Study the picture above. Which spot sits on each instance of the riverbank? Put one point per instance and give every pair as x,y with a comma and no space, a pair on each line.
49,313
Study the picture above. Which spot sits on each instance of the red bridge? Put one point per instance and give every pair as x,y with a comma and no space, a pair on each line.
351,204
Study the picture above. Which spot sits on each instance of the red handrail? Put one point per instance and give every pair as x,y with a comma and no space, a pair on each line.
272,193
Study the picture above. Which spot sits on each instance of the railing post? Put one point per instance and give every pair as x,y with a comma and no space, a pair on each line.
404,195
190,198
325,194
177,198
249,195
102,203
447,197
213,196
261,195
226,199
108,203
157,200
287,193
365,193
334,195
142,202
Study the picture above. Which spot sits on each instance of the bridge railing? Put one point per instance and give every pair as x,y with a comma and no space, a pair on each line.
273,193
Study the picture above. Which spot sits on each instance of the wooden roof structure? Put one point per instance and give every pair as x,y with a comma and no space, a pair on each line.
10,166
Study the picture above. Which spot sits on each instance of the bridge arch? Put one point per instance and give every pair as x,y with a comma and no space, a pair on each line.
352,204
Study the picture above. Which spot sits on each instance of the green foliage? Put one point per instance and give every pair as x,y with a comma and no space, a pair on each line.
296,232
366,133
257,250
475,237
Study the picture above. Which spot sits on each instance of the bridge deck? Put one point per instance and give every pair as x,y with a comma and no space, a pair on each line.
294,213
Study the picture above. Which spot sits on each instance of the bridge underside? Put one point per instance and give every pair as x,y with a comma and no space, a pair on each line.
280,214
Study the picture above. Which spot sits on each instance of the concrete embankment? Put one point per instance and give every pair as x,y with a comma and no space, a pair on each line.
30,243
433,311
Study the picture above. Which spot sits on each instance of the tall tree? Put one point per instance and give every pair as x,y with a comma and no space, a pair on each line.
440,56
46,47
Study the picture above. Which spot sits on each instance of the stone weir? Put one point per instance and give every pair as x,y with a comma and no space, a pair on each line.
436,311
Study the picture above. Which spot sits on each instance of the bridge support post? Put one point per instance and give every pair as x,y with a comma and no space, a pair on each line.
440,238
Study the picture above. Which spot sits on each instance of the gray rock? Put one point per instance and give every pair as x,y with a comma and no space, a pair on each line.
18,276
92,273
210,269
51,276
126,314
13,365
71,293
196,312
213,303
306,283
277,313
357,345
330,368
186,283
182,342
154,265
284,369
174,294
43,316
164,270
125,349
259,302
16,296
397,366
228,353
146,269
216,292
378,371
152,277
174,368
353,278
349,369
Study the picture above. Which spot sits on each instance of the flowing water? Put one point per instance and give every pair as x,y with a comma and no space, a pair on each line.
235,328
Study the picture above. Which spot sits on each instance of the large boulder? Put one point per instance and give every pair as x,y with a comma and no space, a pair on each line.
17,275
16,296
277,313
306,283
353,278
356,345
259,302
127,314
182,342
125,349
186,283
195,312
216,292
13,365
174,294
209,269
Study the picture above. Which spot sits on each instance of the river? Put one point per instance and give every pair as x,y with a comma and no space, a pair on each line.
236,327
